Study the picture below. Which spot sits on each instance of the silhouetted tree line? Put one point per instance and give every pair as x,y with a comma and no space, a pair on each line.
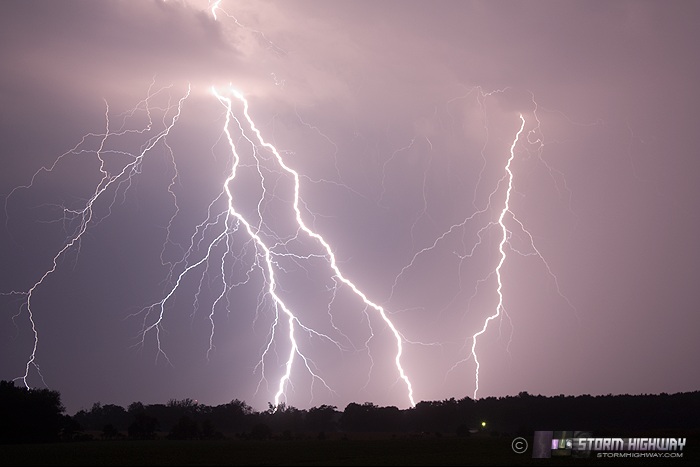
37,415
32,415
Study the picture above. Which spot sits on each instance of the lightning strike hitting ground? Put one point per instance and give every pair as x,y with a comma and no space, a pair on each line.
535,139
504,239
332,261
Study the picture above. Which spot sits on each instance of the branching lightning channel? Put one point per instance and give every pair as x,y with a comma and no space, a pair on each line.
499,221
504,239
331,258
338,276
272,285
86,214
267,252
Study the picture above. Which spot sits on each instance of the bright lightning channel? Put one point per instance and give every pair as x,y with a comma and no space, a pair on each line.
504,239
534,137
331,258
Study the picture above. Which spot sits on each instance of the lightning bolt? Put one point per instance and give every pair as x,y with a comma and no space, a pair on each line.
86,214
332,261
532,137
504,239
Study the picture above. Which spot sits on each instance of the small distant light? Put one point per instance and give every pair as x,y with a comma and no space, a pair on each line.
483,424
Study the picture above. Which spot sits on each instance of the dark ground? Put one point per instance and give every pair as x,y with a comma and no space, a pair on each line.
386,450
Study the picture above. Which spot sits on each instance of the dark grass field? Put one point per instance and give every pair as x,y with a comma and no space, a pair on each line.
474,450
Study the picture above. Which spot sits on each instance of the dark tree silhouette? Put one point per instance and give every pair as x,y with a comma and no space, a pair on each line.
100,415
209,431
369,417
323,418
520,415
185,428
283,418
71,430
234,417
31,415
143,427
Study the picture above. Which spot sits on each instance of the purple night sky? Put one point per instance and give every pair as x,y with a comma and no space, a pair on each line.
399,117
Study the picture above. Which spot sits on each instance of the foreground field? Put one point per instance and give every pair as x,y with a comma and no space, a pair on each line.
390,451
